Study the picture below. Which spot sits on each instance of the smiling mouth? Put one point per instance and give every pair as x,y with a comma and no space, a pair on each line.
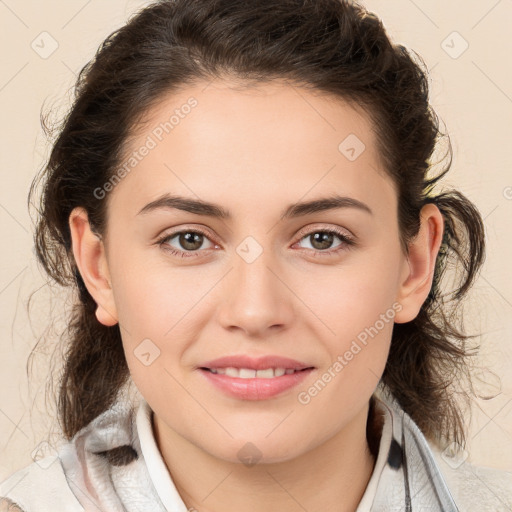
249,373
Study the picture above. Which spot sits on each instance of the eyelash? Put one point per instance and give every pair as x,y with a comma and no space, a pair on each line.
346,240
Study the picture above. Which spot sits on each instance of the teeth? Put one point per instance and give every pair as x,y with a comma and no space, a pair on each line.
247,373
265,374
232,372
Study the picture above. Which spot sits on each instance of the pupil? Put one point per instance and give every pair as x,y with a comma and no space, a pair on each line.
191,241
322,239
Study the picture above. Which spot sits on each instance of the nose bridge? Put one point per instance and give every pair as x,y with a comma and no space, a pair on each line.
255,297
252,271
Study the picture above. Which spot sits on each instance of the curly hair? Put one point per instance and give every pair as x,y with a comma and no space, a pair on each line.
334,46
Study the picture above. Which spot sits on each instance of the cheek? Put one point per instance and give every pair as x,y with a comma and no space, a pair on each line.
354,295
356,328
151,295
356,305
161,311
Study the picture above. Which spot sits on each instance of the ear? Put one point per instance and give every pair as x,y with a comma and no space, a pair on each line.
418,274
91,260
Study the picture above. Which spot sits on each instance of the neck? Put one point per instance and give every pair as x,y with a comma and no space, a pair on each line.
332,476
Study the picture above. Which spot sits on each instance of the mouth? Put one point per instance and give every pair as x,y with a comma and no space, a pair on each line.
250,373
254,377
251,384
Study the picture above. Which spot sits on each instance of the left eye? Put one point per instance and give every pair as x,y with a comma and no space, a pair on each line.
322,239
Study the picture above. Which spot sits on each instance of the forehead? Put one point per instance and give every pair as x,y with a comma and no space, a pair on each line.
262,142
259,113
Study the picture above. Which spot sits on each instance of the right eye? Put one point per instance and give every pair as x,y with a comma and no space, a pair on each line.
190,241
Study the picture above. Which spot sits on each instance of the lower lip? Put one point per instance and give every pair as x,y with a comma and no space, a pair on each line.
255,389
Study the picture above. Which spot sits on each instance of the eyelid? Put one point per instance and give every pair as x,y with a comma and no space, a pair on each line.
189,228
336,229
300,234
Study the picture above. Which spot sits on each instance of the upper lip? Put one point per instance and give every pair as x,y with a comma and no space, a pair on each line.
255,363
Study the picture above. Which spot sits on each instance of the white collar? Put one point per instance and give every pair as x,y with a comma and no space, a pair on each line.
156,467
166,488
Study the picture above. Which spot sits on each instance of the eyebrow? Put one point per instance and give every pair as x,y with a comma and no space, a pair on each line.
295,210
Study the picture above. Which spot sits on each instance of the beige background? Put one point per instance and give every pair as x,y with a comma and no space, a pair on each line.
472,93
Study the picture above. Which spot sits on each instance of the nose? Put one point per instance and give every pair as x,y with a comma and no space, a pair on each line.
255,297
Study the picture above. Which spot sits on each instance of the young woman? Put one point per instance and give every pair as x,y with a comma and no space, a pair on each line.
242,197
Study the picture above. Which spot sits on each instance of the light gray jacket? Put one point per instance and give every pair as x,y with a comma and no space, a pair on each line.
114,465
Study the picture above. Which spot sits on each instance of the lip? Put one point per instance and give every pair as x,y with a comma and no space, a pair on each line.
256,363
256,388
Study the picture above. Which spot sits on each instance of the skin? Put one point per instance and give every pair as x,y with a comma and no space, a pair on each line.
272,145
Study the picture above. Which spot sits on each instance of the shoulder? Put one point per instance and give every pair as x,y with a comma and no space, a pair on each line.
39,487
444,475
475,487
103,464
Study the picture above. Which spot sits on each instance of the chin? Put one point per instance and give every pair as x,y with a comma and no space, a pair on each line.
256,451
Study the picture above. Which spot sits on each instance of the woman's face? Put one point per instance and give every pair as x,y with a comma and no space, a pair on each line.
265,279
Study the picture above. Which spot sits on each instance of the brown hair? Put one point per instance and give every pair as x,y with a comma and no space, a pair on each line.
332,46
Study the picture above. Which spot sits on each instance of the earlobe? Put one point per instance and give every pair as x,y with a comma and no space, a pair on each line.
420,264
90,258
